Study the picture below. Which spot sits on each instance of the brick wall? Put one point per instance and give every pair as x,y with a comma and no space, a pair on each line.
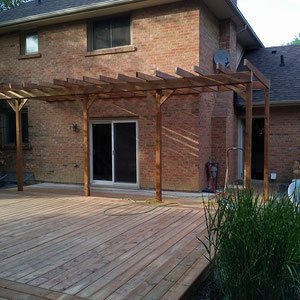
224,120
165,37
284,140
183,34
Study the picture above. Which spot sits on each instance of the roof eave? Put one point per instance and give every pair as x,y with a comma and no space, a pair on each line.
246,23
74,13
226,9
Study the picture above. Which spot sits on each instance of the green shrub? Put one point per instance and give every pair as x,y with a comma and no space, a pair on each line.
256,246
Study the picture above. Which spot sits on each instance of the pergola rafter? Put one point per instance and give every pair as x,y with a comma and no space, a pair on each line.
160,86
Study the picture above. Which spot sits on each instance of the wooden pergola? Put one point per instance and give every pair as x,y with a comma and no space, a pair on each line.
160,87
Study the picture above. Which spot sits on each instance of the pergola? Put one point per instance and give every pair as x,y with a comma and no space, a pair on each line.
160,87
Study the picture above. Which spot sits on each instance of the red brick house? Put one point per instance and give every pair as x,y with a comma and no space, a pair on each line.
281,65
42,40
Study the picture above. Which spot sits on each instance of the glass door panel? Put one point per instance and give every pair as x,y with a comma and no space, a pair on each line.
102,152
125,152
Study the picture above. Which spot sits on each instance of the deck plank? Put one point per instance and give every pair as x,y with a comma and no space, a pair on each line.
88,243
15,290
84,235
97,258
115,278
65,247
146,280
130,255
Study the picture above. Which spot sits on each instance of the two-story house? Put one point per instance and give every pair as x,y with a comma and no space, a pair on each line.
46,39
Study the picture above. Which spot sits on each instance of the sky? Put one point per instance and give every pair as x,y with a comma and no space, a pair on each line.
276,22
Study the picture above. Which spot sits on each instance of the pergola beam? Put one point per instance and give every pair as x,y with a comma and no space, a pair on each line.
230,87
66,88
110,79
186,74
146,77
129,79
78,82
260,76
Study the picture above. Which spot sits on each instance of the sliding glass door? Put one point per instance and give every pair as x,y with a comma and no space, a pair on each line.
114,152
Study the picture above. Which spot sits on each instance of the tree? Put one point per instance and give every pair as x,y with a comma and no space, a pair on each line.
6,4
296,40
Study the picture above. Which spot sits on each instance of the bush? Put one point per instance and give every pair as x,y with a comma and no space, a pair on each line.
254,246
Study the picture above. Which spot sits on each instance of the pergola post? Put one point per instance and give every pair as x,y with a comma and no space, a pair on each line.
160,99
266,143
158,160
248,135
17,106
86,146
19,142
86,104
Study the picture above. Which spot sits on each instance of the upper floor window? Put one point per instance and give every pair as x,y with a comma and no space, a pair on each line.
109,33
29,42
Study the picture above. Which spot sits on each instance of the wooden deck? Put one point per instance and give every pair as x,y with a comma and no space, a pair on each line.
70,247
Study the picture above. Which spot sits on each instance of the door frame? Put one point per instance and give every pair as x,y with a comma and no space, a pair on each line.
241,139
113,183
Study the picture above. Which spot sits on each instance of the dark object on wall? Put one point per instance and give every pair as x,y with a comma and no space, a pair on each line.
211,170
222,57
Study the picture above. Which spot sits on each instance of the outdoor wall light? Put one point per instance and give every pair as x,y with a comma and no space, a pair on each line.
273,176
75,127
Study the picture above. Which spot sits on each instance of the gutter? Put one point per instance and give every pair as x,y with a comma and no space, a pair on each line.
244,20
278,103
68,11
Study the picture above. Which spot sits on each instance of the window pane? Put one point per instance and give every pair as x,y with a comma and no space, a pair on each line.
120,32
101,35
32,43
10,128
25,138
125,152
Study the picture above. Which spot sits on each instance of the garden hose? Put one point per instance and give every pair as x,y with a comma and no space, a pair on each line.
137,202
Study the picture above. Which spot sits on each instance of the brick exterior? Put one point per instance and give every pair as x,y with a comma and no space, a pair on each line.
180,34
284,140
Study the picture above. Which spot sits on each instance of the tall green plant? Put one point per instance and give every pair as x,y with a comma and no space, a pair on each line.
256,246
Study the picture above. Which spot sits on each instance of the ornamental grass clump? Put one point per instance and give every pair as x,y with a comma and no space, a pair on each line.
254,246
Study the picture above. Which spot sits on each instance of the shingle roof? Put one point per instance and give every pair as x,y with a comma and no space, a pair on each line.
33,8
285,79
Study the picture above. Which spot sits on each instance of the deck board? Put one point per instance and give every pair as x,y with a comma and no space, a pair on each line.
69,247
